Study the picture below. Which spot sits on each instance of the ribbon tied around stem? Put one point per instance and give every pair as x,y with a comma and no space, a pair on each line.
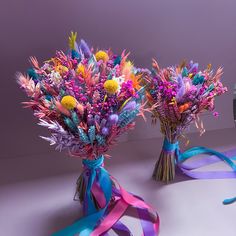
112,202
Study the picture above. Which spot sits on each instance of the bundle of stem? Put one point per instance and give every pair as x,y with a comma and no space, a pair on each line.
165,166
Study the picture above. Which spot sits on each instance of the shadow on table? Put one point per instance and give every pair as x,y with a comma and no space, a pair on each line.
63,217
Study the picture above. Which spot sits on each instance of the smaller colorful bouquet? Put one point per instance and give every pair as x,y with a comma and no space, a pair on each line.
87,99
180,95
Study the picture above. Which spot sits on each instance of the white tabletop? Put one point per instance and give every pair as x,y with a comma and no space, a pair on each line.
36,193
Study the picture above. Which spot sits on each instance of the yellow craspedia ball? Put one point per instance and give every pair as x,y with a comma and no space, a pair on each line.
80,70
68,102
101,55
61,69
111,86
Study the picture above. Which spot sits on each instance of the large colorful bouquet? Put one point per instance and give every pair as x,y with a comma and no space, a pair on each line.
87,99
180,94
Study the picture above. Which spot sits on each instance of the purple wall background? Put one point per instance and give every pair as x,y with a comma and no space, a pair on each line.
169,30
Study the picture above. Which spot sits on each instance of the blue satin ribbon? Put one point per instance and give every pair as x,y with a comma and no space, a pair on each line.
170,147
93,216
183,156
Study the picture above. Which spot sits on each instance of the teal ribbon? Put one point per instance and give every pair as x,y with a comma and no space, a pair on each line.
170,147
203,150
93,216
229,201
181,157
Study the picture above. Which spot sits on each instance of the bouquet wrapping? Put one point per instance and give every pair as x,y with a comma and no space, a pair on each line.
87,99
179,95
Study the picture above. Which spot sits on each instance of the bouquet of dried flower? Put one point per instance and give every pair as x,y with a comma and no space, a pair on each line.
87,99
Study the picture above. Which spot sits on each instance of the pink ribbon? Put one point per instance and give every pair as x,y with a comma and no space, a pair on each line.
99,195
122,203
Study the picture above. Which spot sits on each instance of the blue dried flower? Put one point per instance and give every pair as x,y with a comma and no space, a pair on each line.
210,88
32,74
198,79
62,92
91,133
141,95
83,136
100,139
48,97
117,60
70,124
185,72
75,117
127,117
75,55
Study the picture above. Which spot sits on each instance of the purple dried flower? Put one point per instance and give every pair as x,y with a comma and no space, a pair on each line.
130,105
113,119
105,131
194,68
85,49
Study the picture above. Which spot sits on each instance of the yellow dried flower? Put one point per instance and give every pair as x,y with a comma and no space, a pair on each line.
80,70
68,102
111,86
101,55
72,40
61,69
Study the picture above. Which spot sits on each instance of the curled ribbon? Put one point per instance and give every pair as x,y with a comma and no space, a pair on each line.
188,169
113,201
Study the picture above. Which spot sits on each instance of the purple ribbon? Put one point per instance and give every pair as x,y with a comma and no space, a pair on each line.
188,168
